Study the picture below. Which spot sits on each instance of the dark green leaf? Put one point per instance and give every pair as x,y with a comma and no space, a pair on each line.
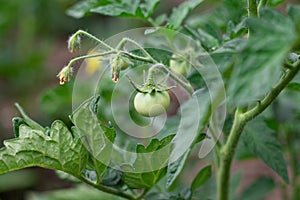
82,8
203,175
294,12
294,86
98,138
124,8
275,2
175,168
208,41
17,122
148,7
112,177
147,179
258,190
262,142
181,12
259,65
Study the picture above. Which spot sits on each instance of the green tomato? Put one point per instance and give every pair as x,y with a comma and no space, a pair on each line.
124,63
178,66
151,104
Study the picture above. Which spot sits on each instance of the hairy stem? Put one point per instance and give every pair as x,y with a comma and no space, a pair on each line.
240,120
148,56
71,62
140,58
81,32
226,156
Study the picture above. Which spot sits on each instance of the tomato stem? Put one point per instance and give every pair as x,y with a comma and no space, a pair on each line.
240,120
81,32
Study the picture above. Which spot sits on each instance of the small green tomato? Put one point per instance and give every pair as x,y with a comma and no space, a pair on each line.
178,66
151,104
125,63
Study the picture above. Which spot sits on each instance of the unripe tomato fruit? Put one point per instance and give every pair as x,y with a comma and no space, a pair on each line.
151,104
124,63
178,66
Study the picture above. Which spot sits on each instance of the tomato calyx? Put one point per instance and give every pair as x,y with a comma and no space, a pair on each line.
149,87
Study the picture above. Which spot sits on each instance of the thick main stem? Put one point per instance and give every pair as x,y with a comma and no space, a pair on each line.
226,155
240,120
252,8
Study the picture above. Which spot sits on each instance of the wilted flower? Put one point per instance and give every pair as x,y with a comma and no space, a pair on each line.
74,43
119,63
64,75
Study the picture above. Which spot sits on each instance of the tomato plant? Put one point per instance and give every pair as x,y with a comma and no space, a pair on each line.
228,78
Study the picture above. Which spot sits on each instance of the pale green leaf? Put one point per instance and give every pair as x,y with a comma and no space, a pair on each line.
181,12
59,150
259,65
125,8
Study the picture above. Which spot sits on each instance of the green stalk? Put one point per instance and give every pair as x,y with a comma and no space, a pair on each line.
261,4
240,120
252,8
81,32
71,62
252,11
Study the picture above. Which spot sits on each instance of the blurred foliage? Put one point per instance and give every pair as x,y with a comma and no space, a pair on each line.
78,193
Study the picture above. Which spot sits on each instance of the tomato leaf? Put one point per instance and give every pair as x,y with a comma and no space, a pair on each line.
82,8
259,63
58,148
175,168
147,179
199,103
123,8
275,2
36,148
181,12
98,138
262,142
203,175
